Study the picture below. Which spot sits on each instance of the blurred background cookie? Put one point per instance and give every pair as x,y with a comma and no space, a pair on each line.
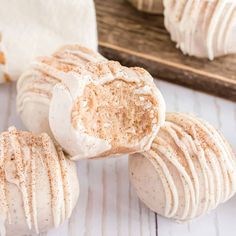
145,42
202,28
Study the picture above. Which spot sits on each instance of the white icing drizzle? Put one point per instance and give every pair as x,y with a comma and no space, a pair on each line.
37,83
203,160
203,27
229,27
19,151
212,28
223,28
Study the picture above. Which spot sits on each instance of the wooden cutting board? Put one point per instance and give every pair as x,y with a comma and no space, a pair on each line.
138,39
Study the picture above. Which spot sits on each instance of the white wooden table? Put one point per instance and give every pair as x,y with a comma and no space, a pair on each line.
108,205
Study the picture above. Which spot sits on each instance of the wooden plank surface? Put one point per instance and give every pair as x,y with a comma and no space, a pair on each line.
108,205
138,39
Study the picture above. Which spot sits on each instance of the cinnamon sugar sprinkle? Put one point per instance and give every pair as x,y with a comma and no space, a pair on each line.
117,105
2,55
7,77
2,58
20,154
50,70
201,158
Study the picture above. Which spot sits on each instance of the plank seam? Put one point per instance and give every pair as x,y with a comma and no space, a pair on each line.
156,222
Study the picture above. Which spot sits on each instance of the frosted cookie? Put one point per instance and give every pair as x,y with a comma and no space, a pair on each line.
189,170
38,185
106,109
204,28
37,28
34,88
150,6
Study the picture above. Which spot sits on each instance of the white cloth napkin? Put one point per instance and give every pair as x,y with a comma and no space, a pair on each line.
32,28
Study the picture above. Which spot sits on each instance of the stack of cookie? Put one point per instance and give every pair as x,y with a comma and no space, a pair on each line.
79,105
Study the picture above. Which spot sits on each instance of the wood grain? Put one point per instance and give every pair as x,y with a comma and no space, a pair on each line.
138,39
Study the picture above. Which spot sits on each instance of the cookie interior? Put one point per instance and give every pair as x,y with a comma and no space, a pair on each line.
117,111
